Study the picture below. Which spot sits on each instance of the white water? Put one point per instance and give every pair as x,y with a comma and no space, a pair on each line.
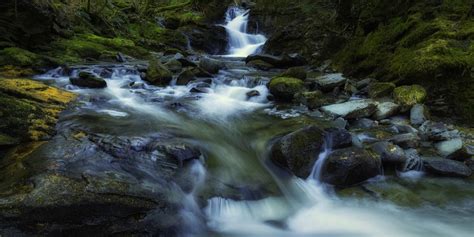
241,43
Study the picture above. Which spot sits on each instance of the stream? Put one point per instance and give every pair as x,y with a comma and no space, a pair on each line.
233,130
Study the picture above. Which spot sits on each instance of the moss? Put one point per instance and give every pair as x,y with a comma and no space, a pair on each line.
285,88
408,96
18,57
157,74
381,89
30,109
312,99
10,71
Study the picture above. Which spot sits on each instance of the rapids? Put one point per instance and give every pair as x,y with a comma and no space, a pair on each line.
233,131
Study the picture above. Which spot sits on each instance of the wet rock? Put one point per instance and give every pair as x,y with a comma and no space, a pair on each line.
119,57
252,93
285,88
295,72
407,96
330,81
463,154
211,65
446,167
352,109
340,123
298,150
184,61
312,99
186,77
389,153
260,64
363,83
419,114
446,148
89,80
174,65
437,131
285,61
338,138
364,123
346,167
157,74
209,38
406,140
380,89
97,183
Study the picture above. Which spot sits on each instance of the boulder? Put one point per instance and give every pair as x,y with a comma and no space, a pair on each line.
285,88
184,61
407,96
285,61
446,148
174,65
211,65
338,138
389,153
312,99
385,110
89,80
437,131
350,166
185,77
158,74
406,140
446,167
380,89
295,72
419,114
352,109
260,64
330,81
298,151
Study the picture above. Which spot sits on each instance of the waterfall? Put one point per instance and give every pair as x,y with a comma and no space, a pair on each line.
241,43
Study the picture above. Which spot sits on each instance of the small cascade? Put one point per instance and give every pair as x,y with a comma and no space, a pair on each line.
241,43
318,165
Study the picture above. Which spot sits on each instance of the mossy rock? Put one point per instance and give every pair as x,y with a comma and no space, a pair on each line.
260,64
295,72
158,74
312,99
285,88
30,109
407,96
89,80
381,89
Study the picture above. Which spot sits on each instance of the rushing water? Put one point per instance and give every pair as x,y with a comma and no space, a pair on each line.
241,43
233,130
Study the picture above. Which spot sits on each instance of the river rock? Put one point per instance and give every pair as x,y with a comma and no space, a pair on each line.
352,109
389,153
185,77
185,62
260,64
380,89
463,154
349,166
158,74
407,96
338,138
406,140
89,80
419,114
252,93
312,99
330,81
211,65
285,61
174,65
446,148
385,110
298,150
295,72
437,131
106,183
446,167
285,88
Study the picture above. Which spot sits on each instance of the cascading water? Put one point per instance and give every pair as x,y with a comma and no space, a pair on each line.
241,43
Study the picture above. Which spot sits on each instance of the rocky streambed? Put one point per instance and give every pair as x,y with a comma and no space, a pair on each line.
203,145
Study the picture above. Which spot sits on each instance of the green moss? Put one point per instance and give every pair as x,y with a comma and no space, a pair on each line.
381,89
18,57
285,88
408,96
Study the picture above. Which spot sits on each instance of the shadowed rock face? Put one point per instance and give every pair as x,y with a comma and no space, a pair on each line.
95,184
